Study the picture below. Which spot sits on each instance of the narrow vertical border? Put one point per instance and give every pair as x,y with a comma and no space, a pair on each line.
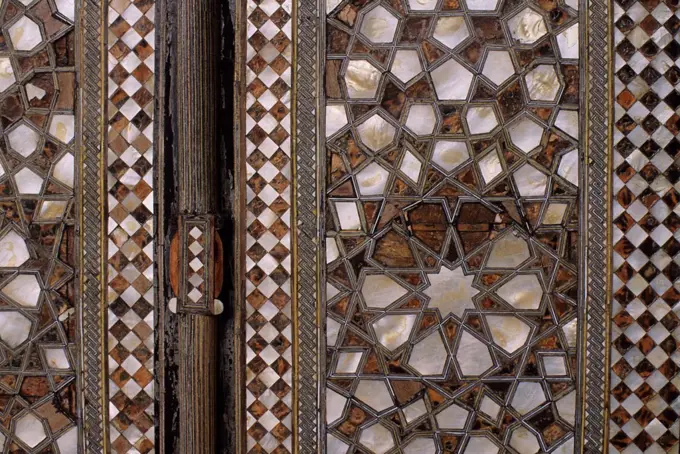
598,92
91,173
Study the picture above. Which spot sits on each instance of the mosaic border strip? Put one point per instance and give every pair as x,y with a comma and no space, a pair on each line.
91,180
131,228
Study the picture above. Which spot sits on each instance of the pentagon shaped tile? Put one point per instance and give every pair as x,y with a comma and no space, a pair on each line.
522,292
566,407
393,331
13,251
64,170
28,182
450,154
14,328
56,358
508,332
25,34
480,444
406,65
422,5
377,439
421,119
420,445
372,179
524,441
66,8
481,120
498,66
429,355
568,168
375,394
62,127
30,430
411,166
335,405
526,134
528,396
451,291
379,25
490,166
376,133
451,31
380,290
567,121
362,79
24,289
530,181
472,355
23,139
6,74
452,417
336,118
508,252
542,83
451,81
527,26
567,41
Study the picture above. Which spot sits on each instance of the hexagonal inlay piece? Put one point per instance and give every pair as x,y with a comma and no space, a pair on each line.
14,328
23,139
30,430
508,332
542,83
25,34
527,26
379,25
522,292
376,133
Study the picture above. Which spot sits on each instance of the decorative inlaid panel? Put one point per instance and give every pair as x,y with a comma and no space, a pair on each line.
39,310
644,339
130,228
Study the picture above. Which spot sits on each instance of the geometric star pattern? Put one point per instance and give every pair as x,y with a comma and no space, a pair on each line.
646,182
131,311
452,231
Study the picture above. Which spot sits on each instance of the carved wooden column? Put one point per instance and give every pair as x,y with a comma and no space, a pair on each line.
195,256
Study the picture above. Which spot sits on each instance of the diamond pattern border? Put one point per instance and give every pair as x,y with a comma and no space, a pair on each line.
131,225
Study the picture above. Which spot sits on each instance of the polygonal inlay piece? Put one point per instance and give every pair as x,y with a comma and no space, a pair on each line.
554,214
530,181
524,442
375,394
490,166
348,215
335,405
13,251
376,132
380,290
24,289
542,83
554,366
377,439
481,5
25,34
568,168
452,418
362,79
498,66
522,292
527,26
64,170
30,430
450,154
566,407
372,179
336,118
56,358
421,119
14,328
489,407
508,332
422,5
393,331
420,445
348,362
567,41
379,25
63,128
526,134
451,291
528,396
567,121
481,120
480,444
451,31
451,81
411,166
406,65
6,74
67,8
429,355
472,355
23,139
508,252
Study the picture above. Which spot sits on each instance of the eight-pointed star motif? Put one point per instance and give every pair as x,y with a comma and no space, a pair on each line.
451,291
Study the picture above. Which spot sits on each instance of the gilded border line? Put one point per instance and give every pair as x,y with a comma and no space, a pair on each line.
598,161
91,175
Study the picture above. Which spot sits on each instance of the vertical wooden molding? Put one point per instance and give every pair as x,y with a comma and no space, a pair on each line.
198,53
